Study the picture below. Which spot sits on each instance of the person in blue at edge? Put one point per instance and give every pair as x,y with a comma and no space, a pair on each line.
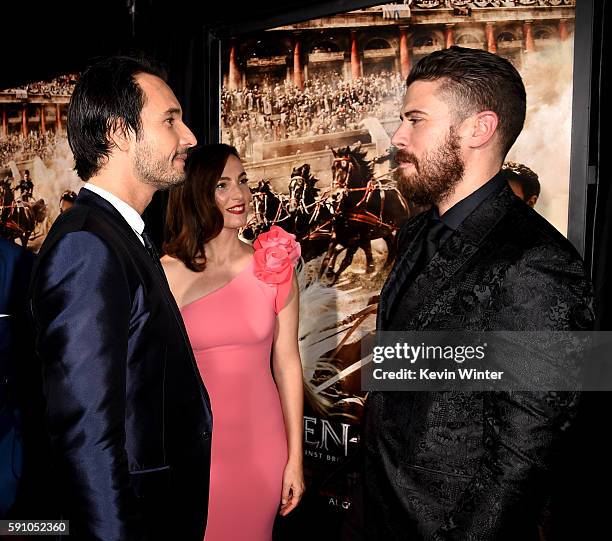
15,267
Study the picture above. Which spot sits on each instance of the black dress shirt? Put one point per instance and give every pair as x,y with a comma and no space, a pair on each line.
436,232
455,215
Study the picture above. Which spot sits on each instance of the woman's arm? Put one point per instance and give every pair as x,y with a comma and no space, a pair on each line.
287,368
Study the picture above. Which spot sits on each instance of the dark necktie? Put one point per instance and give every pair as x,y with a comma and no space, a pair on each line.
429,243
152,250
433,237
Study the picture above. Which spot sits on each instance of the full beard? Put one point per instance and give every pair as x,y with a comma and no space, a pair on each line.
436,174
154,171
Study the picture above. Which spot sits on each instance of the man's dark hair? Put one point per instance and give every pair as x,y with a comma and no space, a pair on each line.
476,81
68,195
105,97
526,178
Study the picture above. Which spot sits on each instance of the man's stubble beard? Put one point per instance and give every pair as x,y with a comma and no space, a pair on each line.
156,172
436,174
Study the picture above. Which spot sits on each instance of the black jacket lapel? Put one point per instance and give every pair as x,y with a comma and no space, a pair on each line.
407,242
458,250
93,200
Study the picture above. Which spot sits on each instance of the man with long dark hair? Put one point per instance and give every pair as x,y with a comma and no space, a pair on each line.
128,416
456,465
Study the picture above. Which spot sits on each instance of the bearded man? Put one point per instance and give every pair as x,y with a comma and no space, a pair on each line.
456,465
128,416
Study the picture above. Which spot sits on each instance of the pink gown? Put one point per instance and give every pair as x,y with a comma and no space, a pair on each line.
231,332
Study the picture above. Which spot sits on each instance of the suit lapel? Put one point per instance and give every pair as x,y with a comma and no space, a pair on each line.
458,250
407,241
93,200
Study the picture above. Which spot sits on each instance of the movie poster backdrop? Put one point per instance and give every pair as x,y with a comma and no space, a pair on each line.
311,108
37,179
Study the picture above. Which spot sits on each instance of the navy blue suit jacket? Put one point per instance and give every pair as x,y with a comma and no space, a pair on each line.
127,413
15,266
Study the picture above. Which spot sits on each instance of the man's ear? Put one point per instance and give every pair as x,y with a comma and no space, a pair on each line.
120,135
481,128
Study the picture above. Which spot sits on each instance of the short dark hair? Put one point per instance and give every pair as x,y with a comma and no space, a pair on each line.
477,81
68,195
192,217
105,94
526,178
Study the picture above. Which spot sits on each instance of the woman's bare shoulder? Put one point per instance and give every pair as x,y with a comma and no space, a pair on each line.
169,261
174,267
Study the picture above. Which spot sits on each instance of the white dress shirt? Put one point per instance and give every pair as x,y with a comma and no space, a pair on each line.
130,215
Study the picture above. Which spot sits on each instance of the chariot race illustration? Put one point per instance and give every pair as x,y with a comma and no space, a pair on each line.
21,218
356,208
36,177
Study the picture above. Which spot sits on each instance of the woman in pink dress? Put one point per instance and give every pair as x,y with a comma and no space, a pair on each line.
240,307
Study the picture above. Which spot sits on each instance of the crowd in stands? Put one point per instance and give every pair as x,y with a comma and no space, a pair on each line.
60,86
270,112
328,104
17,147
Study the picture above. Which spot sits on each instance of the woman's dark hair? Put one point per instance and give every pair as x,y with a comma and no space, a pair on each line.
105,97
192,217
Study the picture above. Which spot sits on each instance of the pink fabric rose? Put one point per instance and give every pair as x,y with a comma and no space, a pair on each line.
277,236
272,264
276,252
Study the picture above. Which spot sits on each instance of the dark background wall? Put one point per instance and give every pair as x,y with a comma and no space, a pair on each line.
601,201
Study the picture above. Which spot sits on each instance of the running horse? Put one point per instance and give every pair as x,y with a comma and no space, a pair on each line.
270,209
18,219
303,193
364,210
312,214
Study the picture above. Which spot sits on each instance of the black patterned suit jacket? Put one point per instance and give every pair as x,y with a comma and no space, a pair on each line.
474,466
